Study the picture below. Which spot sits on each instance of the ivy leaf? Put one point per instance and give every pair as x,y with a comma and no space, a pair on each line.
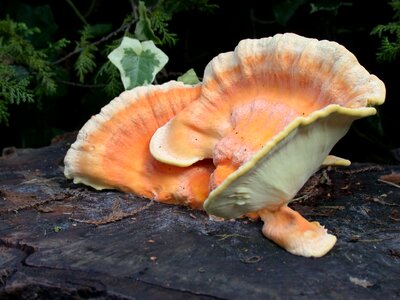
190,77
137,62
143,30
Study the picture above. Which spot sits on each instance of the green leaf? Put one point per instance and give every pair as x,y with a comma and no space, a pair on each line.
285,10
159,24
395,4
388,51
143,30
331,6
109,74
392,28
38,17
137,62
4,115
100,29
85,62
190,77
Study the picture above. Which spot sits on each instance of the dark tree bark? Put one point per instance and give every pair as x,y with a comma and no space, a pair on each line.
60,240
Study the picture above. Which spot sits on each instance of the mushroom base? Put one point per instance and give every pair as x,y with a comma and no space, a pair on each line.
293,232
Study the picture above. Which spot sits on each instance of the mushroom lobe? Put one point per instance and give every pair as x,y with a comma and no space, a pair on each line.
251,94
268,115
112,148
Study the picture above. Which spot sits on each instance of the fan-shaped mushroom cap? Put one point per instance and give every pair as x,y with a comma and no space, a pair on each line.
251,94
273,176
269,114
112,148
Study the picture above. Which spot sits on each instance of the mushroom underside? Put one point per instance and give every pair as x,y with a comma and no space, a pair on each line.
272,177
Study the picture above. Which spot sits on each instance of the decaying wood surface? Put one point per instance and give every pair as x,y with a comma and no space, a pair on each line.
60,240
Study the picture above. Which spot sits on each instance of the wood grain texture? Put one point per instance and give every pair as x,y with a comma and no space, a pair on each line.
60,240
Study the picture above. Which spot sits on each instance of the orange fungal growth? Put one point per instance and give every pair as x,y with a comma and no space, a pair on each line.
268,115
251,94
112,148
242,143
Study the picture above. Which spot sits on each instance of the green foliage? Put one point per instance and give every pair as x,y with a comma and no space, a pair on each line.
25,70
13,89
395,4
138,62
159,23
190,77
331,6
109,73
160,14
144,30
4,115
284,10
85,63
390,36
175,6
34,65
14,84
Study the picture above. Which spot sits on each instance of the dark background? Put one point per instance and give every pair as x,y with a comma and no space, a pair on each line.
203,35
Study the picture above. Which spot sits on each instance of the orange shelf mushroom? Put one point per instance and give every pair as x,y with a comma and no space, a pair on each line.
268,115
112,148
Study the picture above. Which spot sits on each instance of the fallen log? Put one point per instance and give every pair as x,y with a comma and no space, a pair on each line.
61,240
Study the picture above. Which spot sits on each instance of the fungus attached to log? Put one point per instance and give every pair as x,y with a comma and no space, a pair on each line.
268,115
112,148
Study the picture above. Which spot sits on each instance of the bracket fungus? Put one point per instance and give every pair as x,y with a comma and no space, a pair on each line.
268,114
112,148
